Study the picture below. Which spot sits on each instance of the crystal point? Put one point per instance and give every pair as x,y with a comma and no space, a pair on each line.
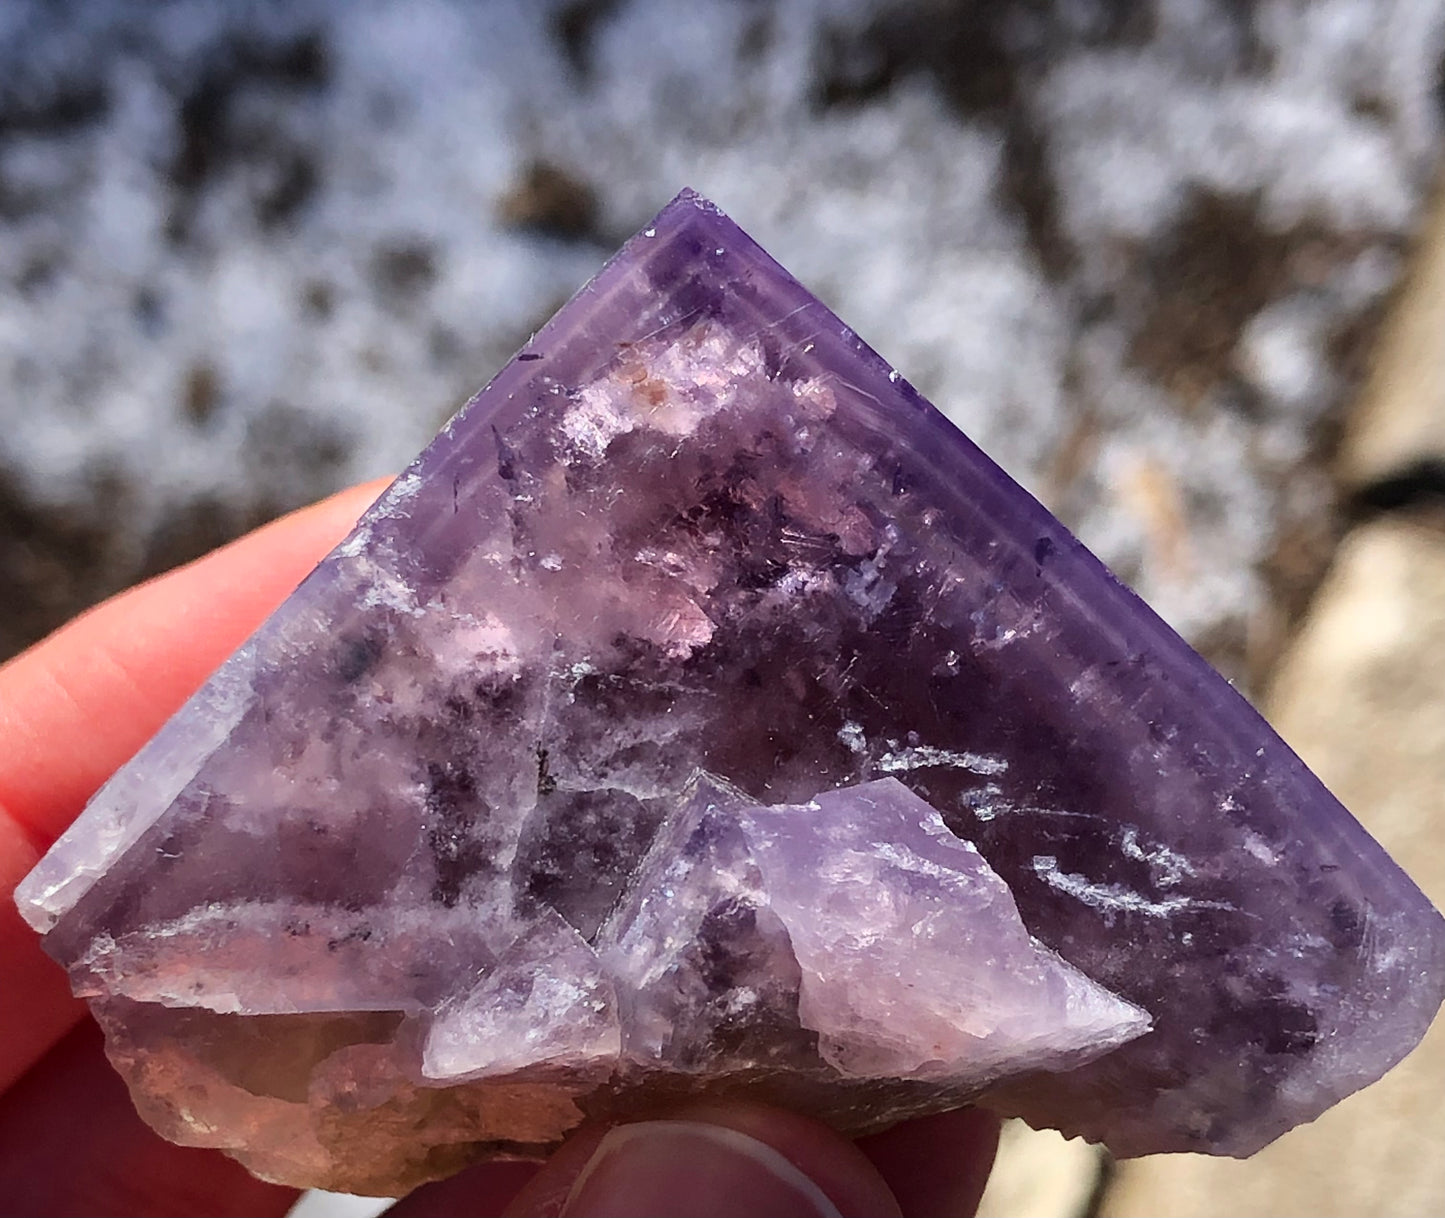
702,713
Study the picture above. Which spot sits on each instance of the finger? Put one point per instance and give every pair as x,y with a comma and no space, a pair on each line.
35,1003
709,1161
937,1165
80,703
71,1143
483,1191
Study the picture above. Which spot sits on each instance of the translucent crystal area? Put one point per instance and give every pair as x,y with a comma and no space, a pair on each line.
734,963
702,713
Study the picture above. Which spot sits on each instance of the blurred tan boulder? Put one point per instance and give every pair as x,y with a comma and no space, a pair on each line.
1361,696
1398,428
1041,1174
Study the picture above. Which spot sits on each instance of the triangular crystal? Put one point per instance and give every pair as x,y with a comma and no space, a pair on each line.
701,711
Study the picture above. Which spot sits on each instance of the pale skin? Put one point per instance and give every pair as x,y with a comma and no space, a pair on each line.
78,705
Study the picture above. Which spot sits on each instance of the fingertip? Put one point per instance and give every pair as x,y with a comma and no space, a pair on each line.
937,1165
71,1142
81,702
712,1160
482,1191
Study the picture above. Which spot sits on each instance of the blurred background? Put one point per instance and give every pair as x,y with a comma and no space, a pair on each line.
1173,263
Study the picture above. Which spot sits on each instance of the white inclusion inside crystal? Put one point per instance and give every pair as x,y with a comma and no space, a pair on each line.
596,420
866,587
550,562
1259,848
741,999
403,490
384,590
1114,898
357,544
471,638
669,387
902,857
988,802
815,396
801,582
926,756
1166,867
851,735
990,805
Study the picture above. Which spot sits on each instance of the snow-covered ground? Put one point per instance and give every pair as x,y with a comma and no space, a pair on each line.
249,252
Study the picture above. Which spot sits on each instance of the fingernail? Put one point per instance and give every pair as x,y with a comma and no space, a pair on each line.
689,1169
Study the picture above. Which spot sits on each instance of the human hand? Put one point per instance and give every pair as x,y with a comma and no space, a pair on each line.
78,705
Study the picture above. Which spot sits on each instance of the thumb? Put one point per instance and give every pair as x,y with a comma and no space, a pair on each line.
724,1162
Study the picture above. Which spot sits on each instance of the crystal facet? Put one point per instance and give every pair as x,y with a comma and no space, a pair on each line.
701,712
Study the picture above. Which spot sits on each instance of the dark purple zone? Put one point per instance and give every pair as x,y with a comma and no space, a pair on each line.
1119,738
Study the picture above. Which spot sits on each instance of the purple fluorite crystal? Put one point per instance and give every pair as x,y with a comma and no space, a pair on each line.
702,711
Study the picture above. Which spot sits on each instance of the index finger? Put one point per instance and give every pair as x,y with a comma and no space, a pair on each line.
79,704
